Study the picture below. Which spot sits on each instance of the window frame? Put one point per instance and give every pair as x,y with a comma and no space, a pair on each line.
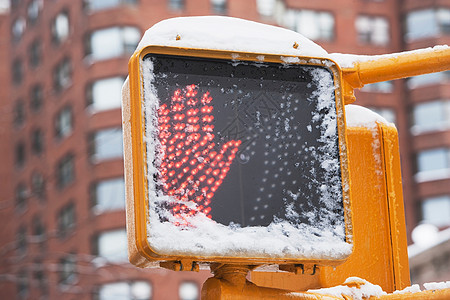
96,205
366,37
59,38
66,219
65,171
96,153
64,123
125,48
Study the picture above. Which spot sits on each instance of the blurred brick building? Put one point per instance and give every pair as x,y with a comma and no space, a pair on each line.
63,63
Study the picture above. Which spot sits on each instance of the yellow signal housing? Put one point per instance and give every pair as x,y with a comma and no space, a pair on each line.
142,253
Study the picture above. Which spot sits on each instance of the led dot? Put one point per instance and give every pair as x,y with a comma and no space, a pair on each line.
255,207
262,217
264,179
252,219
258,199
266,206
269,196
261,189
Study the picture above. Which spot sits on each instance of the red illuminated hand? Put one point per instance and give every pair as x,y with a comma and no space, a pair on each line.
193,166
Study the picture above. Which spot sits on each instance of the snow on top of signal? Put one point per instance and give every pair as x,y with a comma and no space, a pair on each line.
358,116
230,34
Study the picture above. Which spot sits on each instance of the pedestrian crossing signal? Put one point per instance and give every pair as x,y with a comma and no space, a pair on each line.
235,157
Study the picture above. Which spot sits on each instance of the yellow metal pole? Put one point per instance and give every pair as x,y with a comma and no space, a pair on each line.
230,283
396,66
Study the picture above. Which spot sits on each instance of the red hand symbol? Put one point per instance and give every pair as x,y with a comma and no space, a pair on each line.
192,167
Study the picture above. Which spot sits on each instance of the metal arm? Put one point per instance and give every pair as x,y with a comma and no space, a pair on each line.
396,66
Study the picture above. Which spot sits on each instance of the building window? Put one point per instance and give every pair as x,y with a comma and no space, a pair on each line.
17,71
64,123
65,171
20,155
37,141
68,270
428,79
37,98
40,277
105,93
433,164
60,28
62,75
430,116
33,10
22,285
21,240
112,42
219,6
18,29
266,8
188,290
427,23
38,185
112,246
176,4
436,210
95,5
106,144
372,30
38,232
379,87
108,195
19,113
21,197
35,53
66,220
386,113
315,25
136,290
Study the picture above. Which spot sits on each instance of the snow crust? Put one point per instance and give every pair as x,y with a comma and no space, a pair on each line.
410,289
227,33
437,285
429,286
365,289
358,116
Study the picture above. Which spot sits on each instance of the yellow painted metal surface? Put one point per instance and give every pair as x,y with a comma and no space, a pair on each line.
398,66
230,283
140,251
379,233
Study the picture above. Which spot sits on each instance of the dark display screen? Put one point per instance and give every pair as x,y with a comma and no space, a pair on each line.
247,143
